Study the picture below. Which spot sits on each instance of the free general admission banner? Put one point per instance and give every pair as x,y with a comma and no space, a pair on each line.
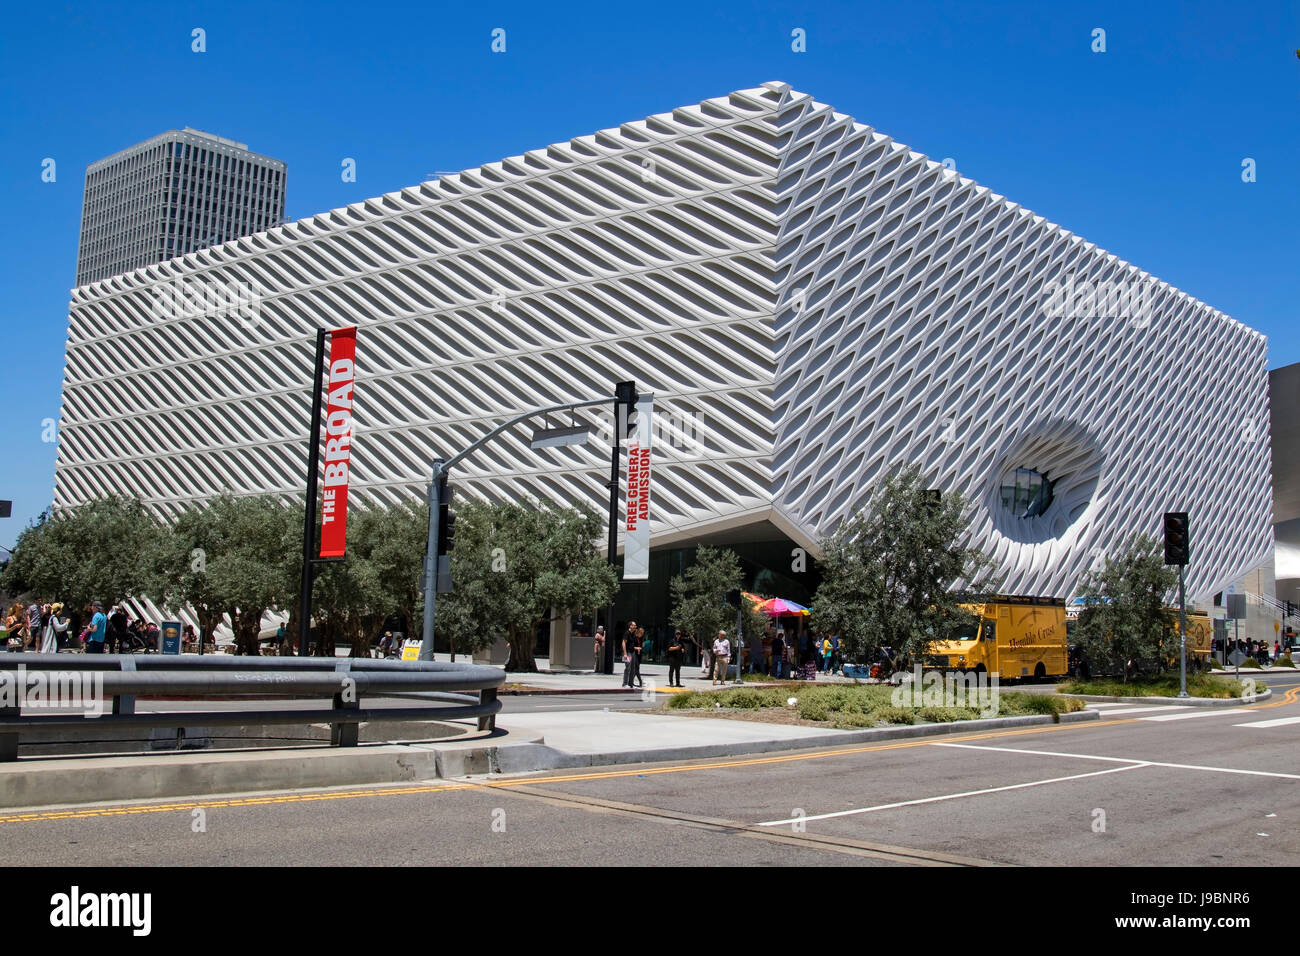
636,548
338,443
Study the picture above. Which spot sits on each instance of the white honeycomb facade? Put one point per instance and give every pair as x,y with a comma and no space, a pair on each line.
812,304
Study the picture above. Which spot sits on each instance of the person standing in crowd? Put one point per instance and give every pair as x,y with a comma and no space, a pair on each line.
97,633
638,648
837,663
721,658
55,628
629,662
766,647
826,653
598,649
15,622
33,635
116,642
676,652
778,655
755,654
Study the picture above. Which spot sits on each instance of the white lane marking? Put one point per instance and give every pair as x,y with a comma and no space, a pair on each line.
1226,712
948,796
1144,710
1128,760
1279,722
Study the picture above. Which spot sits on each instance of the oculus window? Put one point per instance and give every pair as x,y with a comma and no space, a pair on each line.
1026,493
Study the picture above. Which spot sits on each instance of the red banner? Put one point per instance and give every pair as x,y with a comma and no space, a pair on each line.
338,444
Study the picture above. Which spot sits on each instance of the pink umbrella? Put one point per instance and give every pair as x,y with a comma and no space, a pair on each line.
778,607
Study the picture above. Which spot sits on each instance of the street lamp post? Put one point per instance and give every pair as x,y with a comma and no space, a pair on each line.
441,468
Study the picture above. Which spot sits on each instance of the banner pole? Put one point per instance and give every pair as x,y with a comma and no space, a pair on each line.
309,518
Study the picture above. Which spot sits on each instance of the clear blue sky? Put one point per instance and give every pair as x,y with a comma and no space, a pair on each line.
1138,149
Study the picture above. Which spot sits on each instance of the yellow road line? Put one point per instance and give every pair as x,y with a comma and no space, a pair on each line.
726,763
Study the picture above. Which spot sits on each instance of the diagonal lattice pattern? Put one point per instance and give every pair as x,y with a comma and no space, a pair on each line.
811,303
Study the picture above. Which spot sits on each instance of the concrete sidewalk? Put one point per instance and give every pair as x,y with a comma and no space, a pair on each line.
589,682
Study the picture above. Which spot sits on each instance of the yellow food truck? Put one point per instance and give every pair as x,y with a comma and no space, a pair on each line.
1014,636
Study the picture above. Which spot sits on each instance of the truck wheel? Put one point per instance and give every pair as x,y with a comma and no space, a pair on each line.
1040,671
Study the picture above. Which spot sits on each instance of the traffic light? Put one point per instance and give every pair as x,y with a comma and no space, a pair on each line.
446,519
1290,609
733,597
626,395
1177,538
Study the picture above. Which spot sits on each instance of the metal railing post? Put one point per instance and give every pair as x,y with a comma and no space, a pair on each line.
9,741
486,696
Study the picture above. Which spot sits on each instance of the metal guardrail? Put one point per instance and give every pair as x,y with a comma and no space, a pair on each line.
124,677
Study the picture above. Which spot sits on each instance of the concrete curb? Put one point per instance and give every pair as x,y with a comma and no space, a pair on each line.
44,782
1178,701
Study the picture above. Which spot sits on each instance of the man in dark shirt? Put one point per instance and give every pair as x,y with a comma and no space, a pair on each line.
778,655
629,657
676,652
115,642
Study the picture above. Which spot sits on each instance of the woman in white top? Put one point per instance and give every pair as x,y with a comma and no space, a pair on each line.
57,627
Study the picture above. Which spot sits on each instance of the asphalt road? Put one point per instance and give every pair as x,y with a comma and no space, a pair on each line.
1194,788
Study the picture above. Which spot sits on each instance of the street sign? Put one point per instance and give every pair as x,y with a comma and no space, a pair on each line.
171,637
411,650
1235,658
1236,607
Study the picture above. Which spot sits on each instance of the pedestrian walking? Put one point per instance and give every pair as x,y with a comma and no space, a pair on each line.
721,658
598,649
826,654
97,633
676,653
778,655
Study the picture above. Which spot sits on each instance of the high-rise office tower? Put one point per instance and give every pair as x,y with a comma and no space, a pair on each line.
177,192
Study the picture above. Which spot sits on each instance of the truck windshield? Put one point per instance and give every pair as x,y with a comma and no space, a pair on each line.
964,631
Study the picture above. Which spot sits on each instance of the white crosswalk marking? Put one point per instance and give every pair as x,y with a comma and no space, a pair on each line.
1227,712
1279,722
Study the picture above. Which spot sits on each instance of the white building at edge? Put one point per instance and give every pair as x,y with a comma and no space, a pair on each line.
812,304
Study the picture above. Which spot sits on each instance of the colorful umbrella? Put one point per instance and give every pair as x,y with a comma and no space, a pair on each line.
778,607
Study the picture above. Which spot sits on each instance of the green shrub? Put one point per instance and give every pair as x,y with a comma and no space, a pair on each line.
743,699
946,715
1249,662
1160,685
813,709
690,700
850,718
1284,661
1010,705
895,715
